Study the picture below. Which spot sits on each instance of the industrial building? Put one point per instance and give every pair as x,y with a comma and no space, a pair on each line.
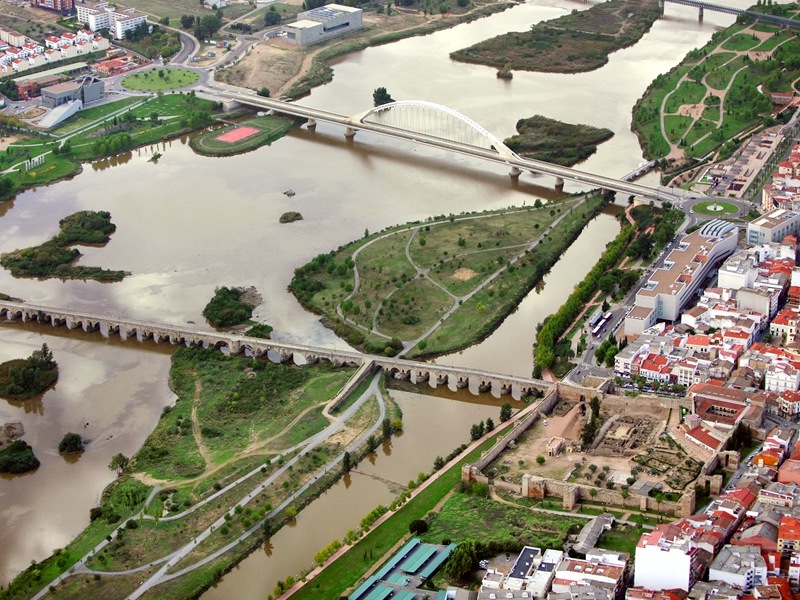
322,23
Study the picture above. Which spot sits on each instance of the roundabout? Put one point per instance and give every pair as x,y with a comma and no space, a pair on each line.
715,208
159,80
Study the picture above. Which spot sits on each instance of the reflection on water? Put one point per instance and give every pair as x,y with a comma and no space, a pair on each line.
109,393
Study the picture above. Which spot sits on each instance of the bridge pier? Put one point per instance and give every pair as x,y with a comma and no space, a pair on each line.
661,7
349,133
514,173
700,14
311,124
559,183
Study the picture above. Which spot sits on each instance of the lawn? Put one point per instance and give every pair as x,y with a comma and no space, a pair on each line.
464,517
676,126
621,538
88,115
239,403
724,208
160,80
740,42
688,92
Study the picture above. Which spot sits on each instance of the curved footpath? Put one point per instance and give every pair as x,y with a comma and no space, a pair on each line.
173,558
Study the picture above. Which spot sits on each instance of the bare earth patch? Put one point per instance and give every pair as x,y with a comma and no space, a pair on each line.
463,274
267,65
692,110
5,142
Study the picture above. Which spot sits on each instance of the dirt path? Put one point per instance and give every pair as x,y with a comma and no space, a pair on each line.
198,436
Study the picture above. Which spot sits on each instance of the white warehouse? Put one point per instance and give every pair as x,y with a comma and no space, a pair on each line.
322,23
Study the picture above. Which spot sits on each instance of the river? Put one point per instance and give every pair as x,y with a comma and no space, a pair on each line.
188,224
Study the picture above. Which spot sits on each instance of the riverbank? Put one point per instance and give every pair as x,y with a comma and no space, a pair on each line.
574,43
429,289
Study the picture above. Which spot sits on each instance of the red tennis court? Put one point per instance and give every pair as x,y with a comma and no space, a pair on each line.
238,134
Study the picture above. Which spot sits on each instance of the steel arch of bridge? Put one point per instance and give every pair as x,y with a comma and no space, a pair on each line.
503,150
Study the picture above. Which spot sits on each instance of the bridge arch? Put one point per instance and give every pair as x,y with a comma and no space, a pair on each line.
413,115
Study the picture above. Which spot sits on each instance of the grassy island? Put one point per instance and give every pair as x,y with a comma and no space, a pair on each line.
291,217
18,458
230,306
564,144
54,258
435,287
21,379
580,41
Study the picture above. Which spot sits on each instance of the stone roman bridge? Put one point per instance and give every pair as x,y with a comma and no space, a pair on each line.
475,380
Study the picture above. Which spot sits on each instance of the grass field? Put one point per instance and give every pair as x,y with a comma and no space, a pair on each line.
688,92
466,517
271,128
705,208
740,41
160,80
88,115
676,126
266,398
457,255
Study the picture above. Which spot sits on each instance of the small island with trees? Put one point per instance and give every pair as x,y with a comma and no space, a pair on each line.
54,258
22,379
17,458
231,306
291,217
71,443
564,144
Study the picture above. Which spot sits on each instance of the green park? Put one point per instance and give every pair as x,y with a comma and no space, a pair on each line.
432,287
716,208
705,106
160,80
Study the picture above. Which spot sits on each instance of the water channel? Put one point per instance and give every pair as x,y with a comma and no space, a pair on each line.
188,224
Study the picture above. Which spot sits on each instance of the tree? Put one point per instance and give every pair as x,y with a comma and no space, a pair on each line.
505,412
461,561
592,492
380,96
346,466
42,359
119,463
187,21
475,432
207,27
489,424
70,443
625,495
272,17
386,426
438,463
540,460
164,21
417,527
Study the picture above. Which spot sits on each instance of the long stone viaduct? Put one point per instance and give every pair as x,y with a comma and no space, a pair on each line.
497,153
454,378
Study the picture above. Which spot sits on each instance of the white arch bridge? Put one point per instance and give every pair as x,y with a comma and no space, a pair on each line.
454,378
444,128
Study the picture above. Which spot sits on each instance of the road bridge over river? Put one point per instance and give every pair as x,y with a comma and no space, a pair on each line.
757,16
475,380
441,127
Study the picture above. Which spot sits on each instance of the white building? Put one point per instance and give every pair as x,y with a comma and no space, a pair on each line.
671,287
664,564
773,226
102,15
322,23
742,566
